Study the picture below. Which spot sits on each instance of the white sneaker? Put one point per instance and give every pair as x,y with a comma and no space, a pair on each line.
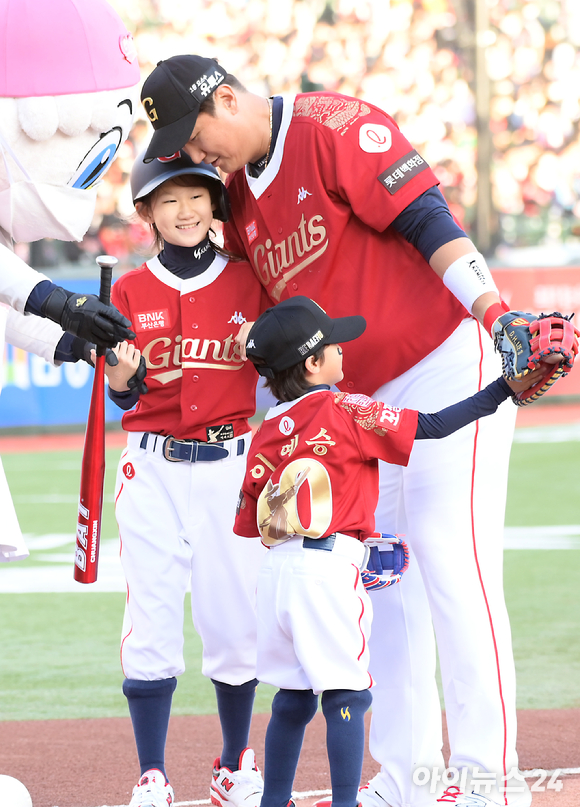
241,788
369,796
152,790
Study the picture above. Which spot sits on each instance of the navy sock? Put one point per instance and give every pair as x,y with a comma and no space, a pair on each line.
234,705
150,707
292,710
344,711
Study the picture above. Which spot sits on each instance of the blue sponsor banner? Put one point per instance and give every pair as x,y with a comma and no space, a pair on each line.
34,393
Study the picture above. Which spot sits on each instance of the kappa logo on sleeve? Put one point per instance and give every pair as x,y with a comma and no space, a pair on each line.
151,320
403,171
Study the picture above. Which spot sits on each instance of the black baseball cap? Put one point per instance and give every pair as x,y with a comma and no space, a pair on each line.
172,96
293,330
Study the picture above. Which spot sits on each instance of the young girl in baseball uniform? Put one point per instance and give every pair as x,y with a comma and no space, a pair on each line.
310,493
179,477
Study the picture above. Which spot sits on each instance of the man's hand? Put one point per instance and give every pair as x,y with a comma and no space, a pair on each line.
84,315
241,338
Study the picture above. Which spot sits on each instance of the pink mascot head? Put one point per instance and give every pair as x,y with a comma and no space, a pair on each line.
69,77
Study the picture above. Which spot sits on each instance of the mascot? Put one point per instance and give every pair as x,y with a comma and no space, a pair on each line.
69,79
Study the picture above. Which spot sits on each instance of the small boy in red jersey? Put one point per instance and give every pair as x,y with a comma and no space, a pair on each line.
310,493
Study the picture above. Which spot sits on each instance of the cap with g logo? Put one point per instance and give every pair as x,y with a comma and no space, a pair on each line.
172,96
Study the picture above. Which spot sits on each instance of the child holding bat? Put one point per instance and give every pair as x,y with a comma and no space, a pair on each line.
179,477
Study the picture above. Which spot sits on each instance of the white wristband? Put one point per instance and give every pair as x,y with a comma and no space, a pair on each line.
468,278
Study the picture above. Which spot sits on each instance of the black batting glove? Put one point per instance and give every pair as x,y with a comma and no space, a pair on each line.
81,349
86,316
137,382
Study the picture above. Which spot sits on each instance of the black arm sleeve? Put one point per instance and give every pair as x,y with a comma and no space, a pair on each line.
64,349
452,418
427,223
37,296
124,400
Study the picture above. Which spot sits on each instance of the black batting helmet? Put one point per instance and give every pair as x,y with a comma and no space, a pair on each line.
145,177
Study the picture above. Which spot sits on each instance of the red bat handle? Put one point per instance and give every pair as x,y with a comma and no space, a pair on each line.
93,465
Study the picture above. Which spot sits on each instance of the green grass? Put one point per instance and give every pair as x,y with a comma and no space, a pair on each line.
544,606
55,474
60,652
60,659
544,484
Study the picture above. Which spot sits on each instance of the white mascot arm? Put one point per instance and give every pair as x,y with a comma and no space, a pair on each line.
34,334
17,279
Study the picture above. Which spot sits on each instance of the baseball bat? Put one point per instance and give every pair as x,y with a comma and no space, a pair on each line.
93,464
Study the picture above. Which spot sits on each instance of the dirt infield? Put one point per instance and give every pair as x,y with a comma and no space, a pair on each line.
88,763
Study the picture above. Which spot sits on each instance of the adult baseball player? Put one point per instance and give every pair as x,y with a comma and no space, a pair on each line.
179,478
331,201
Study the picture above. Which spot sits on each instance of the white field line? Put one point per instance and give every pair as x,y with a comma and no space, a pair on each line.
548,434
309,794
55,574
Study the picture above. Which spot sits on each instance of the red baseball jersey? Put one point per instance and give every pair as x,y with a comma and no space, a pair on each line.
313,466
185,329
317,223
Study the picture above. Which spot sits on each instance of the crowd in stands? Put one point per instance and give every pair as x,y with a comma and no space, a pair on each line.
413,58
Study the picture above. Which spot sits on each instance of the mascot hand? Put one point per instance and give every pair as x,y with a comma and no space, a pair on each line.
81,349
86,316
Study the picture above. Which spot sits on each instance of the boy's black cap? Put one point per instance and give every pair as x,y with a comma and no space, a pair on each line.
172,96
288,333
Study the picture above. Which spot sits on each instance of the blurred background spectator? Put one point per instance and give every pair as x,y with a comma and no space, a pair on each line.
413,58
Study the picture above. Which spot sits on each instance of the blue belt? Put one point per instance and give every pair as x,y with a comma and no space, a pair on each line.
320,543
175,450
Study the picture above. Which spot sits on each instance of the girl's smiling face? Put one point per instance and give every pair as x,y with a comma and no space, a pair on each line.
182,213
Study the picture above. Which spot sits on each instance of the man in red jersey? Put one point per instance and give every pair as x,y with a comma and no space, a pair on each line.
331,201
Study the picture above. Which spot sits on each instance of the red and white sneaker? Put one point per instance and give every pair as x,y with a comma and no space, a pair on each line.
451,795
152,790
241,788
369,796
455,796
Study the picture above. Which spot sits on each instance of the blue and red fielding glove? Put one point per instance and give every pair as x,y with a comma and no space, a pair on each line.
388,560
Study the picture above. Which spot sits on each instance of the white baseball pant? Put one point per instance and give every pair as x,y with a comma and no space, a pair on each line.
449,503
